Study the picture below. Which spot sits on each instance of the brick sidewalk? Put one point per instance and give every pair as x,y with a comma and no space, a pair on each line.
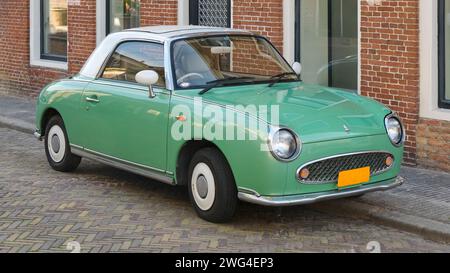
108,210
422,205
17,113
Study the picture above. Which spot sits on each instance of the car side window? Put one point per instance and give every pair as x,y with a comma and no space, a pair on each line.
130,58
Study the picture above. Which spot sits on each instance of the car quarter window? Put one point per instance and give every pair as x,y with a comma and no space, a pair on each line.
130,58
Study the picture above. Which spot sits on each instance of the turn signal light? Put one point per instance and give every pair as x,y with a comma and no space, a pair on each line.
389,161
304,173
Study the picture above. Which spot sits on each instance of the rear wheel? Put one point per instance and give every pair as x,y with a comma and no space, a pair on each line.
211,185
57,147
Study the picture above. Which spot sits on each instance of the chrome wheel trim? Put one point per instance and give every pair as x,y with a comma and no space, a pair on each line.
203,184
56,143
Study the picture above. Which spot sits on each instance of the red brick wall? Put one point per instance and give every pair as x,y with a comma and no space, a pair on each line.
390,61
82,33
17,78
433,144
261,16
159,12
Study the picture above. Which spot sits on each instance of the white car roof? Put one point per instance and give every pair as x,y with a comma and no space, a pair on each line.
159,34
171,32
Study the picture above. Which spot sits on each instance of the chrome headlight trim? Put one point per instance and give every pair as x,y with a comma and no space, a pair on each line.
402,129
298,143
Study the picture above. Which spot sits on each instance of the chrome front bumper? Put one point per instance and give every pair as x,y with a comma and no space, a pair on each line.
304,199
38,135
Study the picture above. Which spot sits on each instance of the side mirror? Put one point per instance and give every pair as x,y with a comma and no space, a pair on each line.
297,67
149,78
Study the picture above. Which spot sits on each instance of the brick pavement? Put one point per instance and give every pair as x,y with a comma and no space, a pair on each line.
108,210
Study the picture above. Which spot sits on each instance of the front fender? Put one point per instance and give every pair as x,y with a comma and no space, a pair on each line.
253,166
63,97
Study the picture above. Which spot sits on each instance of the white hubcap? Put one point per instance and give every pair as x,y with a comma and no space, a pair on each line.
203,186
56,143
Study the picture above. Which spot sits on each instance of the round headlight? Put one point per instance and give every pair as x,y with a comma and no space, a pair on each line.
394,130
285,145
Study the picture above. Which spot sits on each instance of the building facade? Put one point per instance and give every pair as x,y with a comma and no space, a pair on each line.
393,51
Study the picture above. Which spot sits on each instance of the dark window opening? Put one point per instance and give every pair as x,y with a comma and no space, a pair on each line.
214,13
54,30
122,14
326,42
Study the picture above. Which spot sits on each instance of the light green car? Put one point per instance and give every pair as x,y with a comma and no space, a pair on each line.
221,111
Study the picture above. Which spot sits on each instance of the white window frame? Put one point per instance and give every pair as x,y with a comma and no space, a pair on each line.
289,35
429,70
100,10
35,40
183,12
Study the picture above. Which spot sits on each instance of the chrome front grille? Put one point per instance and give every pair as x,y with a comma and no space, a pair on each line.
327,170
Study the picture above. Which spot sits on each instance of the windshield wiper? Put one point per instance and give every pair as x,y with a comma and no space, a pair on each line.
222,82
277,78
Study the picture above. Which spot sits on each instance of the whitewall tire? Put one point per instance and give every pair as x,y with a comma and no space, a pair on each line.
212,188
57,147
56,143
203,186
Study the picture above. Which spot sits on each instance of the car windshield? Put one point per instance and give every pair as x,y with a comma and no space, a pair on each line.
199,62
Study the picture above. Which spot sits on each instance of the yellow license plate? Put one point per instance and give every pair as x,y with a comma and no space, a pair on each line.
353,177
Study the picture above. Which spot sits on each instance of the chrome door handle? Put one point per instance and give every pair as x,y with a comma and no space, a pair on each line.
89,99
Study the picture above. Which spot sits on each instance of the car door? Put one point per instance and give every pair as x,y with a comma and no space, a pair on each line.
120,119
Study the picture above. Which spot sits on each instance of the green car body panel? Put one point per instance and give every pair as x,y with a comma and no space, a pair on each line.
130,126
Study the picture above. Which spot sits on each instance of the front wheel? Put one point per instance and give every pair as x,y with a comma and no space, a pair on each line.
212,189
57,147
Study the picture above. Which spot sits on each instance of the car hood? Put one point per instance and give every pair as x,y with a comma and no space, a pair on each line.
315,113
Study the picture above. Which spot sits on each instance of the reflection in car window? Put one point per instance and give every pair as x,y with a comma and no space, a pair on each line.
133,57
198,61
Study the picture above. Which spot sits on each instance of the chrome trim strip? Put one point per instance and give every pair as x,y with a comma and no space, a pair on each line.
76,146
304,199
248,191
146,171
342,155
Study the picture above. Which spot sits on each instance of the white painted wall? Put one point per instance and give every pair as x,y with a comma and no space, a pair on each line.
429,62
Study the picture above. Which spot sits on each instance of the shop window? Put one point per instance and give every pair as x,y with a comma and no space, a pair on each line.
54,30
326,42
122,14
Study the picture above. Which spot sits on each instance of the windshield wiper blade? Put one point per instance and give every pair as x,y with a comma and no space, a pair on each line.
222,82
277,78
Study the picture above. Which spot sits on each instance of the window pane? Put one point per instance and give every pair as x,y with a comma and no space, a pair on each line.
133,57
329,42
54,29
123,14
447,50
199,61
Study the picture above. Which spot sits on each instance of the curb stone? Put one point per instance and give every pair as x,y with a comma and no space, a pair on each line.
17,124
429,229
